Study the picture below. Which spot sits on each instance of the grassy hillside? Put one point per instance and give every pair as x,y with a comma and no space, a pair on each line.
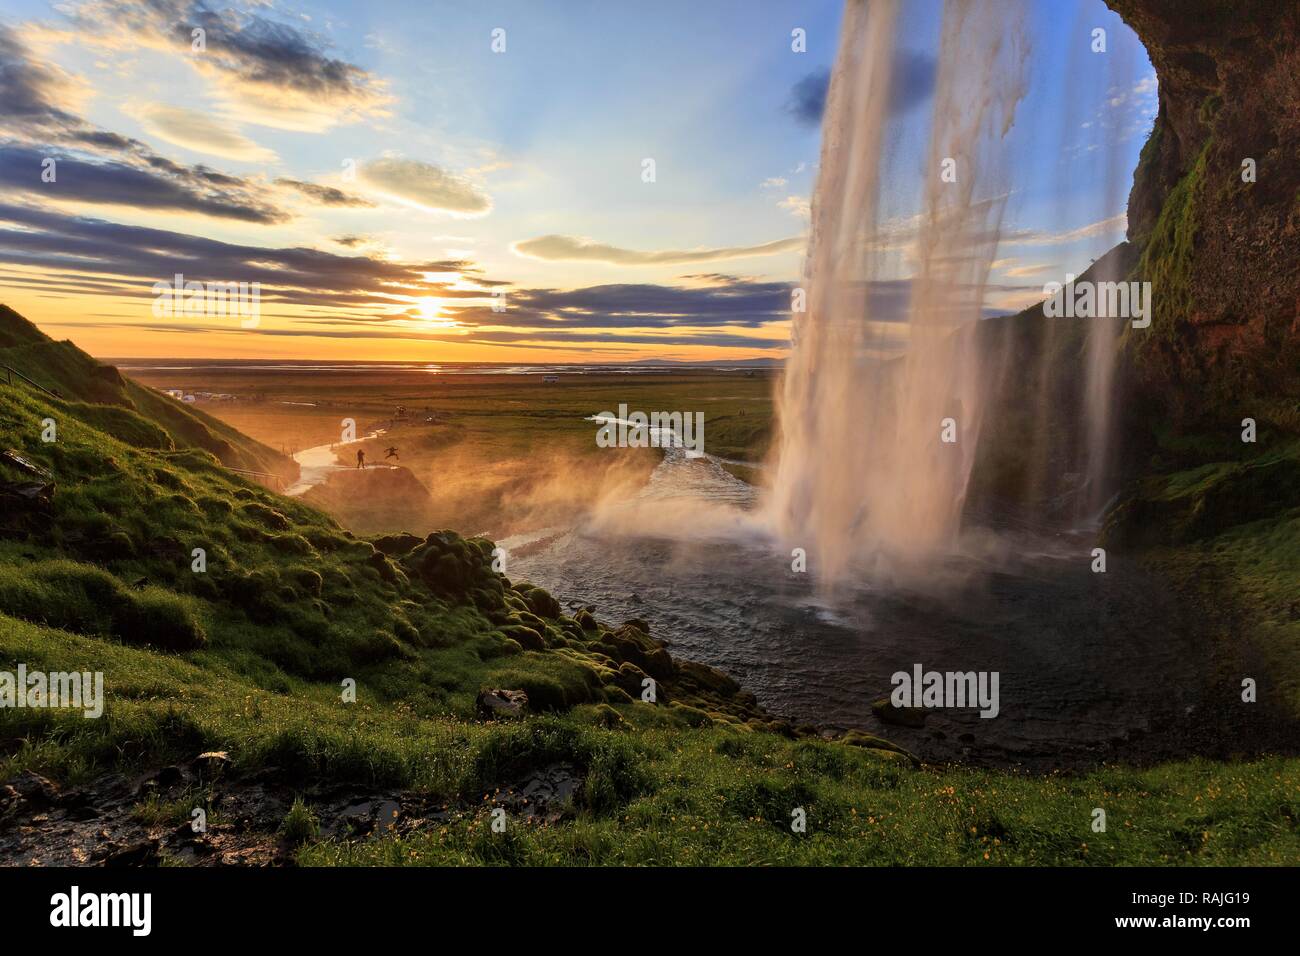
249,657
64,369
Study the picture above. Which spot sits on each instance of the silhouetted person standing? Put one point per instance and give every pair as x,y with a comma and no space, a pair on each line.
361,458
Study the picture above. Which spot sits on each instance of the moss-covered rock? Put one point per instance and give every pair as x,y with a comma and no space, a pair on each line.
705,678
691,716
1187,506
379,561
526,637
459,568
396,545
539,601
632,679
885,710
634,645
266,516
309,580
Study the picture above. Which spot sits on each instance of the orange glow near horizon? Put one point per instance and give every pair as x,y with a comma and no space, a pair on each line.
131,331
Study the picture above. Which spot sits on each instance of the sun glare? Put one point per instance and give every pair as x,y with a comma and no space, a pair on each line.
429,309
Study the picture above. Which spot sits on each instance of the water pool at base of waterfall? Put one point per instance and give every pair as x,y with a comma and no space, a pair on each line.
1092,666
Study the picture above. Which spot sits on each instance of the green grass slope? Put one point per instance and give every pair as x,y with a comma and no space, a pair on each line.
64,369
251,655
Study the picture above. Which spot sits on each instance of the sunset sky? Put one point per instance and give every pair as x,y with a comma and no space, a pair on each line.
381,169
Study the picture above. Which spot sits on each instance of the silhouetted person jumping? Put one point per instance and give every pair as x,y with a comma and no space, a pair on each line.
361,458
392,453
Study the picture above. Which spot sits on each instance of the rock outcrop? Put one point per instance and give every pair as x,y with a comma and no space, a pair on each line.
1222,252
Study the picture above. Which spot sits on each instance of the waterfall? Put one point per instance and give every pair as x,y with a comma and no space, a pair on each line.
1103,335
878,378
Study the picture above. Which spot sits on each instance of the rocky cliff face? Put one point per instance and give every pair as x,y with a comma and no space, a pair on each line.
1222,253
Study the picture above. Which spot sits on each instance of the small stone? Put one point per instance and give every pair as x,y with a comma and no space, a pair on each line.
211,763
885,710
497,704
28,791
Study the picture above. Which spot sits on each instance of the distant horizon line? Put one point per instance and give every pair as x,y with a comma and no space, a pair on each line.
182,362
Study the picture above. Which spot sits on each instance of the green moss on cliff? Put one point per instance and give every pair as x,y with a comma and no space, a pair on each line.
1169,257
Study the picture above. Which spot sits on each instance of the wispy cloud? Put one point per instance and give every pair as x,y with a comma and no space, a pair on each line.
576,249
275,73
425,186
901,234
324,195
154,184
1112,225
198,131
799,206
1015,269
726,302
313,293
353,242
95,165
131,258
40,101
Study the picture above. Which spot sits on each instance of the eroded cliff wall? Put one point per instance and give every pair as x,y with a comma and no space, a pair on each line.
1222,252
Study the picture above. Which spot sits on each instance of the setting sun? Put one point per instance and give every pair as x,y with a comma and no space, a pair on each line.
430,312
430,309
